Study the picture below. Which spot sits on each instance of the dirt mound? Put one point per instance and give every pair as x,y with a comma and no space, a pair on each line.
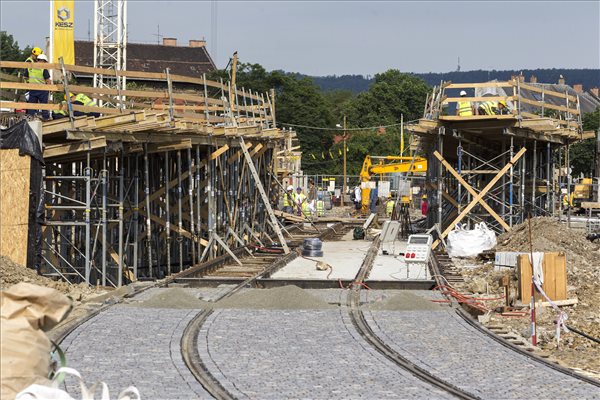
282,298
174,298
12,273
583,278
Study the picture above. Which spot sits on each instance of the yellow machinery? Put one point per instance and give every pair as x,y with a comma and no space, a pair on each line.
387,165
582,192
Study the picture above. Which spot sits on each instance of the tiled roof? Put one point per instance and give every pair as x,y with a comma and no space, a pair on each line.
182,60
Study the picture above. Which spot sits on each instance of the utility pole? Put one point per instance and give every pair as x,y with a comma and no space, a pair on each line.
344,185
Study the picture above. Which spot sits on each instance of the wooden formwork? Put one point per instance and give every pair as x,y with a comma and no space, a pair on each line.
14,205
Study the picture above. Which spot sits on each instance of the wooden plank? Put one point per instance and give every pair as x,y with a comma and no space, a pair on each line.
478,85
64,124
549,268
487,98
218,152
474,117
524,270
60,150
16,105
548,105
560,273
559,303
31,86
547,92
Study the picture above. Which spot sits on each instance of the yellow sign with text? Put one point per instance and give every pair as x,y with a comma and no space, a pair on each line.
63,29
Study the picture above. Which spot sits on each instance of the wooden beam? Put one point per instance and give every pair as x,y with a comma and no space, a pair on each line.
478,85
59,150
471,190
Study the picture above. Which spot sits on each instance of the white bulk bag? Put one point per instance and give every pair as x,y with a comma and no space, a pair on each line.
469,243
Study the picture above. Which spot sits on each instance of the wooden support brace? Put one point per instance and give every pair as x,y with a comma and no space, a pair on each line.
471,190
477,198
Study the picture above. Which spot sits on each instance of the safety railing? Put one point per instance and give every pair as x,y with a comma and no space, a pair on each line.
524,101
193,99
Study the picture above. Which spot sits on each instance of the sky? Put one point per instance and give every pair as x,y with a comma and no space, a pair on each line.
358,37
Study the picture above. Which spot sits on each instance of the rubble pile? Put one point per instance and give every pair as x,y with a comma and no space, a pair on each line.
583,282
12,273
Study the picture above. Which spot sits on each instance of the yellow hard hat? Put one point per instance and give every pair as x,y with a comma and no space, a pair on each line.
424,196
70,95
36,51
502,102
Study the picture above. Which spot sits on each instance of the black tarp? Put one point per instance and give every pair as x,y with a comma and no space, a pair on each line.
21,136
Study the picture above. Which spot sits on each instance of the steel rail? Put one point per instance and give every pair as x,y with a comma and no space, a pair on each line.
364,330
464,314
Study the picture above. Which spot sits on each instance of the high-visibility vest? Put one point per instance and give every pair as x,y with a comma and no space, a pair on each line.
389,207
288,199
36,75
86,101
306,209
464,109
488,107
320,208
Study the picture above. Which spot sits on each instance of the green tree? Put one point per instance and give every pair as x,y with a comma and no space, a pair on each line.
581,153
10,51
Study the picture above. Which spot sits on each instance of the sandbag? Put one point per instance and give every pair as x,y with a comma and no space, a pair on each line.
468,243
26,311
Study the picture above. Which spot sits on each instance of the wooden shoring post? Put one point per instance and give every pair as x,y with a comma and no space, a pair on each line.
262,98
567,164
120,98
520,116
148,211
104,182
224,99
470,189
533,177
240,241
504,180
66,87
479,196
550,179
245,106
560,196
121,167
191,168
252,107
198,204
459,156
136,214
179,211
523,172
543,100
170,93
511,184
440,187
273,116
237,105
226,248
206,113
88,206
548,153
168,213
231,111
210,168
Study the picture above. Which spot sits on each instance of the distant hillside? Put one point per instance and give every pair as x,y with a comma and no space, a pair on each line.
589,78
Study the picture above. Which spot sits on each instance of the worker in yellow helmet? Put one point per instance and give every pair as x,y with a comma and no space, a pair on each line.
38,75
488,108
464,108
502,108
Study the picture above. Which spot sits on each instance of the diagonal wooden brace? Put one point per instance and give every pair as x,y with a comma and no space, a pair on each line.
471,190
480,195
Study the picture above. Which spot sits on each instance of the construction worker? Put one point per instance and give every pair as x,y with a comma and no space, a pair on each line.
312,196
464,108
35,52
320,206
389,206
38,75
502,108
424,205
288,200
62,112
488,108
300,200
357,198
82,100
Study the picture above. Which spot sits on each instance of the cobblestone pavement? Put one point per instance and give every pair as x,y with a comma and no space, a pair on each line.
447,346
125,346
300,354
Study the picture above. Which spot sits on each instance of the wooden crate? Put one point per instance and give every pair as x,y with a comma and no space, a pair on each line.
14,205
554,266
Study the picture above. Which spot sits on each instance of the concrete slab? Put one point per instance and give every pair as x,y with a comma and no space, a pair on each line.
393,267
344,256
